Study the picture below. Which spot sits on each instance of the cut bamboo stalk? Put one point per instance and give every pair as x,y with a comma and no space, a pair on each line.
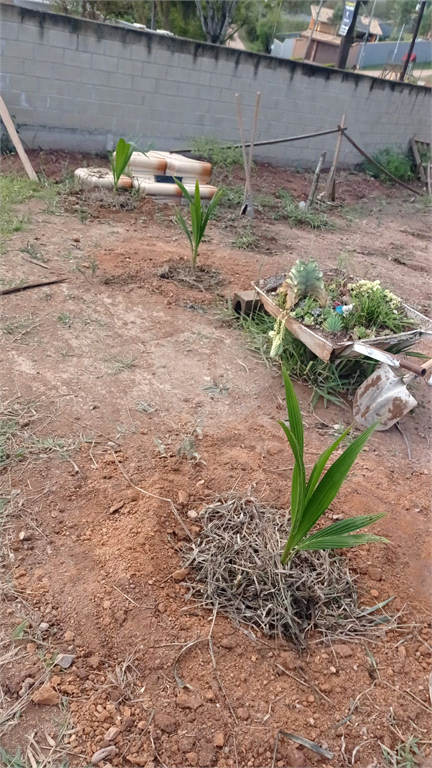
331,183
315,181
5,116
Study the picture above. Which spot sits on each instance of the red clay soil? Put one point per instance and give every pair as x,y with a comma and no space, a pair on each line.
108,374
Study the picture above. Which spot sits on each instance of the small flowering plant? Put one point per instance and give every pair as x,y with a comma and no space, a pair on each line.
375,310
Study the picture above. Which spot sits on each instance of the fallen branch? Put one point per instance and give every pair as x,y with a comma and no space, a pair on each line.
381,168
17,288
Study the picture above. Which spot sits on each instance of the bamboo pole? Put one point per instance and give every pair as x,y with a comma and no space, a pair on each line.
331,184
315,181
5,116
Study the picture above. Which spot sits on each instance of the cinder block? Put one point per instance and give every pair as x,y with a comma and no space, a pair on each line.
30,33
44,52
118,80
59,39
70,74
78,58
154,70
144,84
129,66
91,44
106,63
97,76
17,49
140,52
116,49
12,65
23,83
9,30
220,81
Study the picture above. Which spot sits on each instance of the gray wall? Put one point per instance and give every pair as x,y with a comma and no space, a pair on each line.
78,84
380,53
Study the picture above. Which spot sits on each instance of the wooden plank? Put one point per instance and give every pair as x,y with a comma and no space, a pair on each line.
5,116
417,158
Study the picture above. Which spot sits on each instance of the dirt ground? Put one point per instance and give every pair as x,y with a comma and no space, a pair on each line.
108,374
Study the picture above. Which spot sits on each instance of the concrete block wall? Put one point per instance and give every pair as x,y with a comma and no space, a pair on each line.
77,84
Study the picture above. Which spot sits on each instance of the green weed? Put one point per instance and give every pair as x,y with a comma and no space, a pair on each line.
120,364
245,240
394,161
300,217
221,157
33,251
65,319
406,755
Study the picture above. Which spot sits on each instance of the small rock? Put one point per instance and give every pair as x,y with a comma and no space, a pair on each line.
64,660
112,733
375,574
27,684
219,739
342,650
180,574
25,535
228,642
206,755
402,652
43,626
243,713
374,592
76,239
294,757
209,696
332,670
424,650
192,514
69,636
183,497
165,722
55,680
102,754
188,702
325,687
116,507
142,725
192,758
46,696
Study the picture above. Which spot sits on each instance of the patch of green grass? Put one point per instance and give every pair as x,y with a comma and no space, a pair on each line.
65,319
220,156
331,381
300,217
405,755
120,364
394,161
245,239
15,190
33,251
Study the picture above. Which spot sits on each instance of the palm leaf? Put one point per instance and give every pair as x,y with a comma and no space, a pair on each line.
342,527
294,415
330,484
321,463
185,227
211,206
183,190
298,484
342,541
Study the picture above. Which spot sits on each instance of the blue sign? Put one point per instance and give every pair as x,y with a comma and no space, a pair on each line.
347,17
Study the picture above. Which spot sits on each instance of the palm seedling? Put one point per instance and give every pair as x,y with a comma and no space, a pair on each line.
311,498
199,217
119,160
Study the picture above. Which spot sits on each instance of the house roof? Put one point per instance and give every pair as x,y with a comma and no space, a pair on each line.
326,14
322,37
363,25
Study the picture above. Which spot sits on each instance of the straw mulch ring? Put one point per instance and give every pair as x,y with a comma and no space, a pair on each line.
234,567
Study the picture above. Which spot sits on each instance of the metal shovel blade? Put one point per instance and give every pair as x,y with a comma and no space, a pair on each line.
382,397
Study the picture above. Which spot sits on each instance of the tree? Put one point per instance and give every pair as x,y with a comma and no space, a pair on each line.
216,17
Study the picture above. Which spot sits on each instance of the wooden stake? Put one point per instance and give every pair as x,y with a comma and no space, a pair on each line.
315,180
5,116
331,186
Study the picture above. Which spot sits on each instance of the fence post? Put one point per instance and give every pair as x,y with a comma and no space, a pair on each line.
330,186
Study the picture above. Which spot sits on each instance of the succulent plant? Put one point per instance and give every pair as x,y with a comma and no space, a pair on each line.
333,323
305,279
